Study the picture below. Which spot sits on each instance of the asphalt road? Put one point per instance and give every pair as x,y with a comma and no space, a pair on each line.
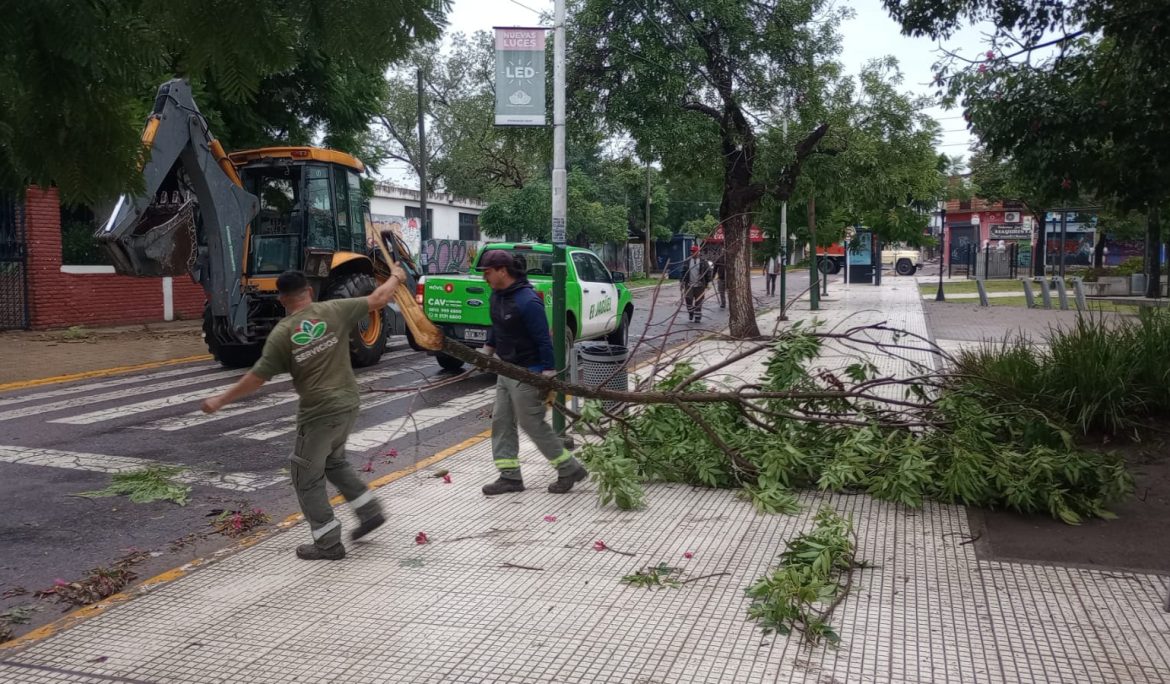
57,441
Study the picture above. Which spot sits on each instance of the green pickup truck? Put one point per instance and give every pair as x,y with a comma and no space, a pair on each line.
597,304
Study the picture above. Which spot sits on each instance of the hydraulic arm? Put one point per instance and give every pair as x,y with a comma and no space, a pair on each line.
193,214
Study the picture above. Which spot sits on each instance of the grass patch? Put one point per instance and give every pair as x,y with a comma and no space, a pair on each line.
969,287
153,483
1095,305
647,282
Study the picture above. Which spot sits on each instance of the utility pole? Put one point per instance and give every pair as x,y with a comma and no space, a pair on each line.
1063,237
783,242
646,256
559,205
424,228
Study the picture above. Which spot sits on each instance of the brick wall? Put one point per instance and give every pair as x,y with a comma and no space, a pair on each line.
60,299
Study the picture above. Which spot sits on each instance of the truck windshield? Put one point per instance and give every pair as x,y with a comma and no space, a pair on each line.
276,242
538,263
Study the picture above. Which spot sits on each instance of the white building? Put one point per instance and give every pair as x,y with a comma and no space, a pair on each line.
454,223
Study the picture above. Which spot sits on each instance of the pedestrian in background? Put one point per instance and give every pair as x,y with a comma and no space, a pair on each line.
696,275
771,270
520,336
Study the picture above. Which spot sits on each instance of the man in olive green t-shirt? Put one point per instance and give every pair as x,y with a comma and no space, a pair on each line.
312,344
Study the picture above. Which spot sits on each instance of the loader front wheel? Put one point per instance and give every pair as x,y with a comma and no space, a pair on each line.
229,355
367,340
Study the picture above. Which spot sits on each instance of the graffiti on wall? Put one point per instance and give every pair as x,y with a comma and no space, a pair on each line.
636,256
447,256
407,229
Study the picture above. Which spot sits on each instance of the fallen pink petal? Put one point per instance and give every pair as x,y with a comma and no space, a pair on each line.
421,538
368,467
599,545
688,554
60,582
447,478
550,518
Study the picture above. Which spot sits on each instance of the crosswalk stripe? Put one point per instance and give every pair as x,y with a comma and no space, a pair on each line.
106,384
379,435
105,463
197,417
76,402
122,411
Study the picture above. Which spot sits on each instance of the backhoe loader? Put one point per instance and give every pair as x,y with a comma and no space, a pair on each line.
235,222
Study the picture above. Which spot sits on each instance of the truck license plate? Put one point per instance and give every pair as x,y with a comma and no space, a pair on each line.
475,334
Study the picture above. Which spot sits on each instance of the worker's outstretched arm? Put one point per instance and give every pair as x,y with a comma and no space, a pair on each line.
243,387
384,293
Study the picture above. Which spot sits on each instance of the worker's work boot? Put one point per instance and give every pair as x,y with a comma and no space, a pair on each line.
314,552
367,526
503,486
565,482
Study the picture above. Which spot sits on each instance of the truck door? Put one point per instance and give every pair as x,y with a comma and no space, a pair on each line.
598,295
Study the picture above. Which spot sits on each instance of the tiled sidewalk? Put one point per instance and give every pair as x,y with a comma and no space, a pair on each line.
460,610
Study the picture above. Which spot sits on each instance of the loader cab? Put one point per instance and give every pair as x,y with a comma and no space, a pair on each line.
310,200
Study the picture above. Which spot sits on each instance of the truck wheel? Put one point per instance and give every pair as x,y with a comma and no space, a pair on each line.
620,336
448,362
229,355
367,340
905,267
827,266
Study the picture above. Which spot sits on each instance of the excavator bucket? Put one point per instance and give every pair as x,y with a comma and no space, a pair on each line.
161,241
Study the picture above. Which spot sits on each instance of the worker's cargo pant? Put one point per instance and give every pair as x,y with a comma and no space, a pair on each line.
320,456
523,405
693,296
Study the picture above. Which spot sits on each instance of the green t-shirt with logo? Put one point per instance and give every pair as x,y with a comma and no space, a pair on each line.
313,346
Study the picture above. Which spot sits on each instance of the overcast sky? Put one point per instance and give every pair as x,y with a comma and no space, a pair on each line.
869,35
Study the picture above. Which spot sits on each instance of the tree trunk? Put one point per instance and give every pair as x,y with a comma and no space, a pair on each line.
737,248
1153,253
1099,250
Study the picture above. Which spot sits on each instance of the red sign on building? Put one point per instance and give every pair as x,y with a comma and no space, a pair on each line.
755,234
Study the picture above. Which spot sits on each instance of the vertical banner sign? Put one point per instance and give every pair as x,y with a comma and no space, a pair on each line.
520,77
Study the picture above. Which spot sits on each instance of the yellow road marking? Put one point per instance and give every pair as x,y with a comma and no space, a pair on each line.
173,574
22,384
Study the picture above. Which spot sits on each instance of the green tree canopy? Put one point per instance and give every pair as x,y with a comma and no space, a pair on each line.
1075,93
697,82
77,78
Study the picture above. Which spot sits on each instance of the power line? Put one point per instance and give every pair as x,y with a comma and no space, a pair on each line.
537,13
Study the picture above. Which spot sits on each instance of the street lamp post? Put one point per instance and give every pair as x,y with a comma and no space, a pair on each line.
942,234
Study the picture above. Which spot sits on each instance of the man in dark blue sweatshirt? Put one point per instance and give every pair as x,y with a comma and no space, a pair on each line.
520,336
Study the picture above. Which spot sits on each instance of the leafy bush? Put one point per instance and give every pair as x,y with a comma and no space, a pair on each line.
1130,266
1103,374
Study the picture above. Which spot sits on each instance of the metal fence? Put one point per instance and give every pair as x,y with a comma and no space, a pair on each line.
995,262
13,266
988,263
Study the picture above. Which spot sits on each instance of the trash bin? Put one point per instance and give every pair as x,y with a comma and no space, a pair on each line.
1137,284
604,365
